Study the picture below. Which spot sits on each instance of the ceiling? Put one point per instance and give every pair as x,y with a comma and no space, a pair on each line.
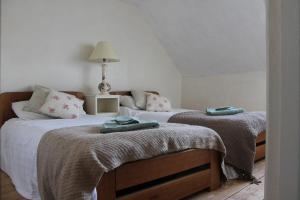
209,37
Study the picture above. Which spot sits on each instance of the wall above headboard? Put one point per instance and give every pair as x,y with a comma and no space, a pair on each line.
49,42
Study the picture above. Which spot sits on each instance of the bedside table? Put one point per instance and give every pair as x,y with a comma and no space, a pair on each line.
106,105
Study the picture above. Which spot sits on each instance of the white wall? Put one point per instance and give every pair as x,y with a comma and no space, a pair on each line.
283,139
48,42
218,46
210,37
247,90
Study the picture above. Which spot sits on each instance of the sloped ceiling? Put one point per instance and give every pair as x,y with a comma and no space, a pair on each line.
209,37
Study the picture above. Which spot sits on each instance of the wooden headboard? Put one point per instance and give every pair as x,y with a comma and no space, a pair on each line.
128,93
7,98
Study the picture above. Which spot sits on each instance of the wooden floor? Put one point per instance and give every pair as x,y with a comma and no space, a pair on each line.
236,189
232,190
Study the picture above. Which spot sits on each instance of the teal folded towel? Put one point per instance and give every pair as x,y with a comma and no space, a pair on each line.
123,123
123,120
224,111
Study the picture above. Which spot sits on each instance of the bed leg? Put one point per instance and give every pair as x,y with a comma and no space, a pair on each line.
106,189
215,178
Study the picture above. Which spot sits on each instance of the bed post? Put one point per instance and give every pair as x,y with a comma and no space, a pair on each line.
106,189
215,176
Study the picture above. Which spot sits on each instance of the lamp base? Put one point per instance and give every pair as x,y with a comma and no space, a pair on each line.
104,88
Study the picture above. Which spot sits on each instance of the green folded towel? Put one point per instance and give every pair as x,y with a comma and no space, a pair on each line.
123,120
122,124
224,111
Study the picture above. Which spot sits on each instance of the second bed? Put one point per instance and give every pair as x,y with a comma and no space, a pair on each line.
243,134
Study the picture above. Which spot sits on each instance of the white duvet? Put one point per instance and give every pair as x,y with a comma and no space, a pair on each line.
146,115
19,143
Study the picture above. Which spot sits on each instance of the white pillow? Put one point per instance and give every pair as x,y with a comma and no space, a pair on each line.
140,98
157,103
62,105
18,109
37,99
128,101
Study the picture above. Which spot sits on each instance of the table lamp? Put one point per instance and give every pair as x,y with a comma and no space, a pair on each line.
103,54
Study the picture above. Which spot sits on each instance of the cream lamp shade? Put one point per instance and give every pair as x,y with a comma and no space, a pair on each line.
104,53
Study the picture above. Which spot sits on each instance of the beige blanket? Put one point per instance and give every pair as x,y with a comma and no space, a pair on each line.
71,161
238,133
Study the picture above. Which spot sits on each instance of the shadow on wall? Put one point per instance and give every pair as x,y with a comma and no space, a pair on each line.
82,56
84,52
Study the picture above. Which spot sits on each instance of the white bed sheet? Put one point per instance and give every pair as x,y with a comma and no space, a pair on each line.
146,115
19,143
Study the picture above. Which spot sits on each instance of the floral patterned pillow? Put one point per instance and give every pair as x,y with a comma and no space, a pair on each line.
62,105
157,103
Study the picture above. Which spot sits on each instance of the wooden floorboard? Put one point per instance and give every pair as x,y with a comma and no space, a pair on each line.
7,190
237,189
232,190
251,192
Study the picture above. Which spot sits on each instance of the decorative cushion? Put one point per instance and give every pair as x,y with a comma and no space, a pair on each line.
140,98
128,101
37,99
18,109
157,103
62,105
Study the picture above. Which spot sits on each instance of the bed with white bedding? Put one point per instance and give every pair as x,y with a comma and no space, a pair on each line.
250,126
20,140
19,143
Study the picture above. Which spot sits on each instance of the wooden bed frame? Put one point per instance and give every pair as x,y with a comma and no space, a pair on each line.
171,176
260,140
